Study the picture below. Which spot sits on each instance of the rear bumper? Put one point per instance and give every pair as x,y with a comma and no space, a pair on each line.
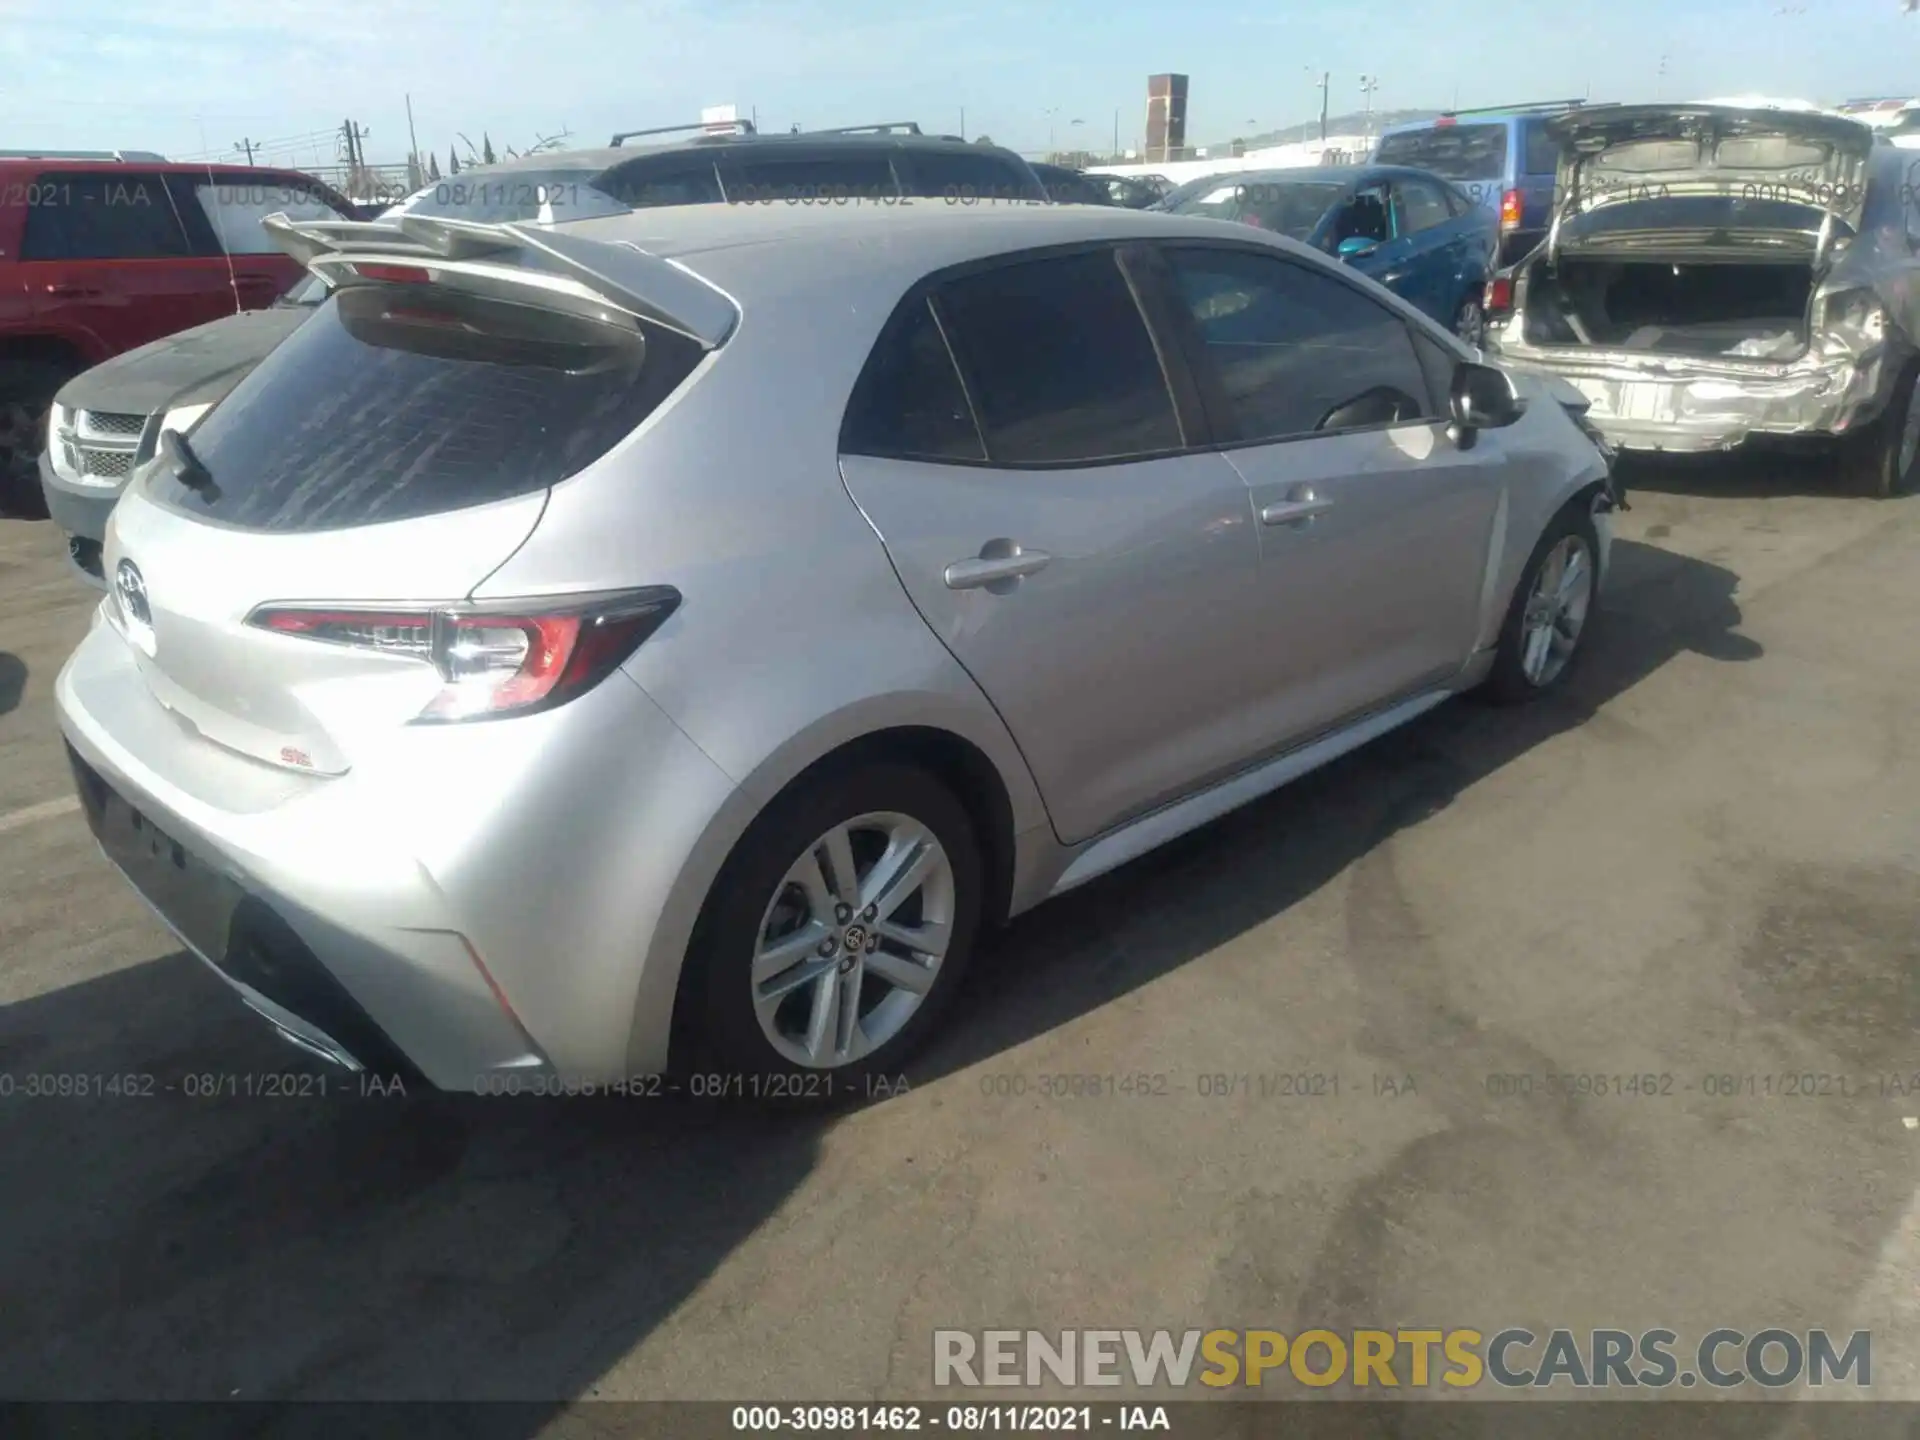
474,901
1677,405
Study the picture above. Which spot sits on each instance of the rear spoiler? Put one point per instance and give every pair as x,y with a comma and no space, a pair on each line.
614,273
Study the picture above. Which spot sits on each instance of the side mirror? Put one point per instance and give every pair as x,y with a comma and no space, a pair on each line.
1355,246
1482,398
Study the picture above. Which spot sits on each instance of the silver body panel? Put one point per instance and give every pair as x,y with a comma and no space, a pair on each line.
521,893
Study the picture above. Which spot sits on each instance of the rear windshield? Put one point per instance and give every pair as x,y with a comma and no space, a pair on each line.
395,402
1712,215
1456,152
1291,208
1070,187
514,195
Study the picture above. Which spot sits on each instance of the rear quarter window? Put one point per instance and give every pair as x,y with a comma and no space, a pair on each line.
797,179
235,206
961,176
1542,151
392,403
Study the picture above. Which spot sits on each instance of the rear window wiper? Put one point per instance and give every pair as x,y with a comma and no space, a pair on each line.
182,464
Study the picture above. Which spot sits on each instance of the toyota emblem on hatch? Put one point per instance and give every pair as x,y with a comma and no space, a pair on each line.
130,591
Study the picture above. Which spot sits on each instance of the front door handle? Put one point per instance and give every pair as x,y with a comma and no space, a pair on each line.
1000,563
1292,512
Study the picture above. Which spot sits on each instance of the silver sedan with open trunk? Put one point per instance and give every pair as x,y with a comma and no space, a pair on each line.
1716,273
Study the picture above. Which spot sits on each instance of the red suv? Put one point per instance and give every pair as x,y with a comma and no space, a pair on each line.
101,253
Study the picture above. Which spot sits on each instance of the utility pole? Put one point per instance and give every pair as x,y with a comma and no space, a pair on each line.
1116,134
963,122
246,145
1326,84
415,179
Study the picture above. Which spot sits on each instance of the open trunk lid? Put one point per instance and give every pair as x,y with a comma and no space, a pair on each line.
1622,154
292,573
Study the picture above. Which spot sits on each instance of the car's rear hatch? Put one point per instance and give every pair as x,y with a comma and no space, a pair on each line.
279,576
1623,154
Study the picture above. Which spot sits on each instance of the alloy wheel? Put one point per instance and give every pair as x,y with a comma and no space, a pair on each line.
1556,611
851,944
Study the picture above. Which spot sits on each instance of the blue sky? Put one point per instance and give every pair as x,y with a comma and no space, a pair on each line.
196,77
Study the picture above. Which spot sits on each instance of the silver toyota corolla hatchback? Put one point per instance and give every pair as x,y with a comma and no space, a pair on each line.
697,625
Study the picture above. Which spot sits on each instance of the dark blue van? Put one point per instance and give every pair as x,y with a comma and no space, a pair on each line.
1502,157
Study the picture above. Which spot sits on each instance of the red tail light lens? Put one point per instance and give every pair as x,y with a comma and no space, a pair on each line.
392,274
1510,210
495,660
1498,299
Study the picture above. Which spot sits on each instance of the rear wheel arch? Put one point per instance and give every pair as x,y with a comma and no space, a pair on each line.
44,349
955,762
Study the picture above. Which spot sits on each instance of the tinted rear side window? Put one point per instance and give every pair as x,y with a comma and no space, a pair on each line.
1543,154
909,403
102,216
664,180
393,403
1059,362
1455,152
760,179
958,175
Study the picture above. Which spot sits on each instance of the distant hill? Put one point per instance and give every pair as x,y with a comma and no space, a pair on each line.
1351,123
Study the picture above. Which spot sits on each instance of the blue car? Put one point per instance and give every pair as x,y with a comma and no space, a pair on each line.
1421,237
1503,157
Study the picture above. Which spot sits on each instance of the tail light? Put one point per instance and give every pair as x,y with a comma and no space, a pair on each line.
494,660
1497,300
1510,210
392,274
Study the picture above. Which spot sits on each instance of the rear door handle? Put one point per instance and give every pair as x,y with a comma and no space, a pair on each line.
999,560
1292,512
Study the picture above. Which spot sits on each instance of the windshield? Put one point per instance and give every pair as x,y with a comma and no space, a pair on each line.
1454,152
1287,207
493,197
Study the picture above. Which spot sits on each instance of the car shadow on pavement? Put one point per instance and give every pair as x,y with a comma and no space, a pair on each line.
1744,475
13,681
1192,895
173,1243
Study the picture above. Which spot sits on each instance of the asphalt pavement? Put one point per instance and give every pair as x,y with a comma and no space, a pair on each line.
1699,863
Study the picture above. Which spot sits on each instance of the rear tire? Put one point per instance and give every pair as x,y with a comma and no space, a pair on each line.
1470,322
1883,460
803,980
27,388
1552,614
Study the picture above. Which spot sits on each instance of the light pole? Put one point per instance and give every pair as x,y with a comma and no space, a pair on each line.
1368,84
1051,112
1326,78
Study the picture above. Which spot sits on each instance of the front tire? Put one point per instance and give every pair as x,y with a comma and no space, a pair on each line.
1883,461
1551,614
27,388
840,928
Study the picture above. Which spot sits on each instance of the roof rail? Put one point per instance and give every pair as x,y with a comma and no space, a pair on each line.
737,127
1528,109
148,157
894,127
